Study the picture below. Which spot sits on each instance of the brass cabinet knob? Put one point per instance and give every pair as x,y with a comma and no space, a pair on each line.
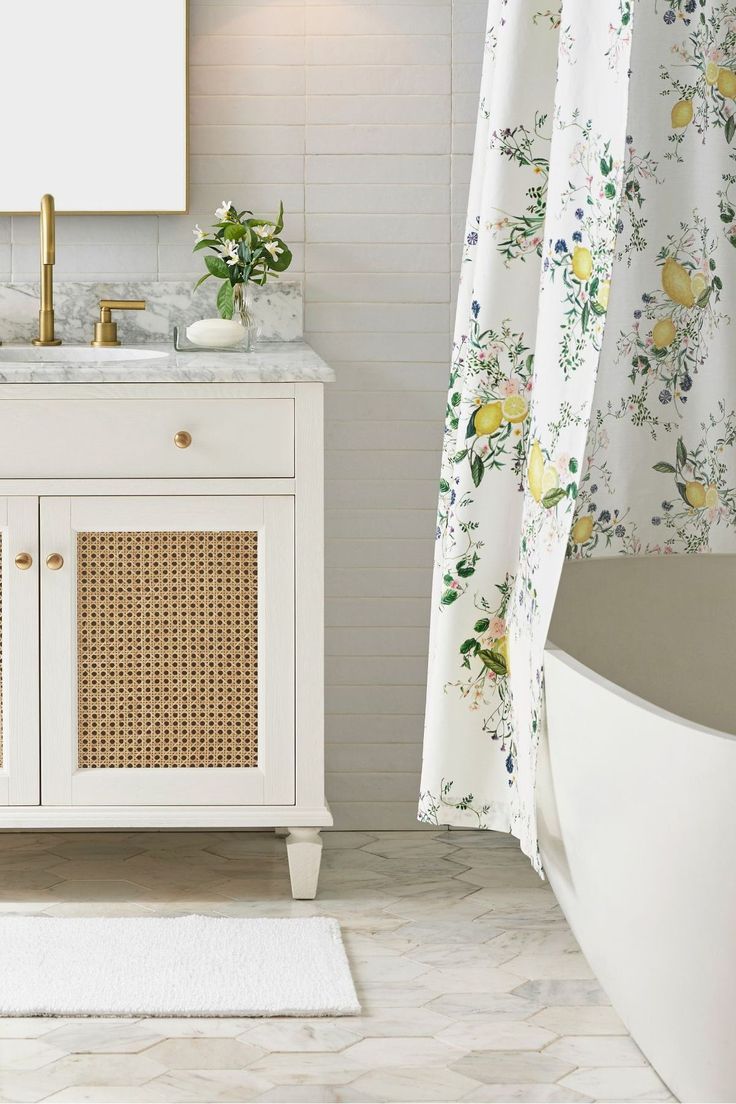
23,561
182,439
54,561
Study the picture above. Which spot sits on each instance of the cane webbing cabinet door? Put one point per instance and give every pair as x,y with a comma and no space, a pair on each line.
167,650
19,722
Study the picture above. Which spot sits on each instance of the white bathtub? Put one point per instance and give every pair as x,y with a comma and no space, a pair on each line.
637,801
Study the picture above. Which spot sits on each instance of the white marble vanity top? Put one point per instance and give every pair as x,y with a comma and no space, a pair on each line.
269,362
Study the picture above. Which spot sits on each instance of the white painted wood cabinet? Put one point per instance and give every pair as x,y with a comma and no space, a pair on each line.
162,609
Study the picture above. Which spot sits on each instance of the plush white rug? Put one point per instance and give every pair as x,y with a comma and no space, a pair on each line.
183,966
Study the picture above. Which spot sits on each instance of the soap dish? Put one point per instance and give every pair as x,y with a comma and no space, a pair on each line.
182,344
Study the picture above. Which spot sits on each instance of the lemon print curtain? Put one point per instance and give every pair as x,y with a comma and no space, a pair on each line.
592,400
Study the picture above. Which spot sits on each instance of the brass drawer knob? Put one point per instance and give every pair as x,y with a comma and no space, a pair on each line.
182,439
54,561
23,561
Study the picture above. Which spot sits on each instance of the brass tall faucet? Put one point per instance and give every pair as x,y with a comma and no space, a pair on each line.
48,260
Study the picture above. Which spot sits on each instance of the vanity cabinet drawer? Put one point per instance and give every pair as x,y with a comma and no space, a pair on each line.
81,438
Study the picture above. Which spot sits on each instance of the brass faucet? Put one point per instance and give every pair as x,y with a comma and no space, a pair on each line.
106,331
48,260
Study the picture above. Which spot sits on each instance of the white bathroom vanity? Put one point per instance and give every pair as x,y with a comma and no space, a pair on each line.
161,520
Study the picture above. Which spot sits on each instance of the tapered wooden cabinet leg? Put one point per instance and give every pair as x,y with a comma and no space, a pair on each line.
304,849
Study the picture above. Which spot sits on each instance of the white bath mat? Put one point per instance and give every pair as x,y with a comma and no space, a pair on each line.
183,966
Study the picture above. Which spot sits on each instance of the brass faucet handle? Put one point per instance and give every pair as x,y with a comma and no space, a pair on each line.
106,331
121,304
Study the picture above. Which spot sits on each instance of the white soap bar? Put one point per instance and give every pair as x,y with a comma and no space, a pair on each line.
215,333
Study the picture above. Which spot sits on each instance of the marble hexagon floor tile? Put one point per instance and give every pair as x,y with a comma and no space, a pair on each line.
472,985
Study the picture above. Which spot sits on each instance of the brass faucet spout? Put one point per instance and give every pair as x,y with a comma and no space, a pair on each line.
48,230
48,260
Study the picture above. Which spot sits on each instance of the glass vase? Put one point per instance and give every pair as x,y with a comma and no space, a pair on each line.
243,313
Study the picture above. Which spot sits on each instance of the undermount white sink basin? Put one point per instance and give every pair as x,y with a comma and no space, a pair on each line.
72,354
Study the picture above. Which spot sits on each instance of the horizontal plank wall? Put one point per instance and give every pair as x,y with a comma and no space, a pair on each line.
360,116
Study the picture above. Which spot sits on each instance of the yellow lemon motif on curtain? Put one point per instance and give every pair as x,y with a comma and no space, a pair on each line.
535,472
698,284
582,263
515,408
711,496
727,84
582,530
682,114
488,418
711,73
550,479
664,333
676,283
604,294
695,494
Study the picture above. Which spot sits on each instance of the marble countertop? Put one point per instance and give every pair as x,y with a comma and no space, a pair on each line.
269,362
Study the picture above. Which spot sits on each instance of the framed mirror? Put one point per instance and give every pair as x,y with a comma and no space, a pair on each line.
93,106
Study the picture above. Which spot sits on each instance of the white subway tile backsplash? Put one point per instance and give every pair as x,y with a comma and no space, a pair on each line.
371,552
463,138
378,139
365,318
382,346
378,287
383,524
469,17
464,107
374,700
355,257
379,108
218,49
356,464
466,77
399,168
418,49
233,169
393,80
357,758
384,376
112,230
242,139
220,110
377,613
378,435
116,260
247,80
393,729
356,199
393,582
378,642
246,18
379,229
462,164
377,19
379,405
467,49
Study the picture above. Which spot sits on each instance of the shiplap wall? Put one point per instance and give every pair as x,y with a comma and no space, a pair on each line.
360,116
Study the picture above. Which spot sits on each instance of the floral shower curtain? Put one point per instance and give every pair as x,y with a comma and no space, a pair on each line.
592,399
